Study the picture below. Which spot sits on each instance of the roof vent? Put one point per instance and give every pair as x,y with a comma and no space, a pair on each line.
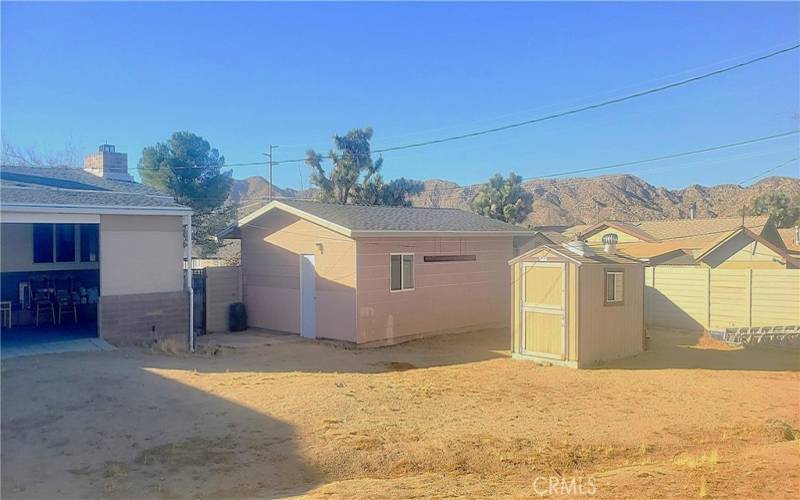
579,247
610,243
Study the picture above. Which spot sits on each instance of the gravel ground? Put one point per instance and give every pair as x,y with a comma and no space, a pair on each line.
451,415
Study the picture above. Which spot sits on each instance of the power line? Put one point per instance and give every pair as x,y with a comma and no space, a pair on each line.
581,109
671,156
646,160
639,162
765,172
540,119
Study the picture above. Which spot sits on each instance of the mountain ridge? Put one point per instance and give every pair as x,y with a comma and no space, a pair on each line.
577,200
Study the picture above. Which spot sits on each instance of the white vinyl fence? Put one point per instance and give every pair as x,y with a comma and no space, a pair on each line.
712,299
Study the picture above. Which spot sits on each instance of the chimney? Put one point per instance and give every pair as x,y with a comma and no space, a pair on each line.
610,243
692,210
108,164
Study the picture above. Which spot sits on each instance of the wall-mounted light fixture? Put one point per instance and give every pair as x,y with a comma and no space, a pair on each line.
319,246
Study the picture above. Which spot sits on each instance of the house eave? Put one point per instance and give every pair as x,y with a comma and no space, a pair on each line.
88,209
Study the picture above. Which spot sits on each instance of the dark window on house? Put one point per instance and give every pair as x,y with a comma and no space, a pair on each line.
90,242
42,243
65,242
449,258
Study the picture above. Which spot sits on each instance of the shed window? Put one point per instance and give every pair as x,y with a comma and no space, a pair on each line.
42,243
614,287
402,272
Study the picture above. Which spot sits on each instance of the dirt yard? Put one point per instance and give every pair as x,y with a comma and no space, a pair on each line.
447,416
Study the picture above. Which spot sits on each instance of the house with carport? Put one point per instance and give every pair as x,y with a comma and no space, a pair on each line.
90,253
373,275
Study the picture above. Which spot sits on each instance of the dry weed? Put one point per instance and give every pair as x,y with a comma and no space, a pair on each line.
709,459
169,346
392,456
195,451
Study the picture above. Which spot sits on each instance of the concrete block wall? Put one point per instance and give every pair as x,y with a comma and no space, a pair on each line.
129,319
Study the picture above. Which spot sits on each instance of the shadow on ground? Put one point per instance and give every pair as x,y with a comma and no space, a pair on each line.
260,351
694,350
107,426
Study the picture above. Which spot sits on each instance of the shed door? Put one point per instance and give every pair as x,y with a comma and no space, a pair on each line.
543,309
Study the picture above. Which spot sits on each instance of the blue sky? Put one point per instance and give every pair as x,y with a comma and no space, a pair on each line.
248,74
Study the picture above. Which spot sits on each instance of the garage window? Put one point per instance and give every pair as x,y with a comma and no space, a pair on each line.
402,272
615,287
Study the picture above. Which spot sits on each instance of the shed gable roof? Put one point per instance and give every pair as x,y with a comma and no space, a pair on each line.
599,257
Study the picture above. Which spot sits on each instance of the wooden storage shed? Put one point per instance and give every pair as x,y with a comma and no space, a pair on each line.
576,306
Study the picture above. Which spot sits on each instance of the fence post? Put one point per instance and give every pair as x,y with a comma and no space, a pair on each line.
749,290
708,299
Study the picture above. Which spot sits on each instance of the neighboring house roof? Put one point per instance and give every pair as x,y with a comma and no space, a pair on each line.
357,220
626,227
701,229
788,236
554,236
645,250
755,237
230,251
597,256
69,189
668,239
689,229
572,232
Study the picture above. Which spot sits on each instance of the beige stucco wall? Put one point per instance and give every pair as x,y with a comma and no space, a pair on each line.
448,296
742,252
141,254
609,332
271,249
16,251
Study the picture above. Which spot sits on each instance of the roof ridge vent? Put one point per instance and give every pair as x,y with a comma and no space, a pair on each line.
579,247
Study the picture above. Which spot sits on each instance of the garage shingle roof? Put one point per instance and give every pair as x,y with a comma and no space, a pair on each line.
356,218
73,187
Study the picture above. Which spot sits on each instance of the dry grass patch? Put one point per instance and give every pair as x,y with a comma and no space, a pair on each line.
192,452
384,457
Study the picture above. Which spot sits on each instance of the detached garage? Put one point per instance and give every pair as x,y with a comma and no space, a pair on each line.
576,306
373,275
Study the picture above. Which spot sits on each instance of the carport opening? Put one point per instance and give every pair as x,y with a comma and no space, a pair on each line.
50,286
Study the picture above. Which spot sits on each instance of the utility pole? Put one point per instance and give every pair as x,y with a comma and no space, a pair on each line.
269,155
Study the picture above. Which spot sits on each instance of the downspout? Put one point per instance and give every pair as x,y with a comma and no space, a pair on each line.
188,221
